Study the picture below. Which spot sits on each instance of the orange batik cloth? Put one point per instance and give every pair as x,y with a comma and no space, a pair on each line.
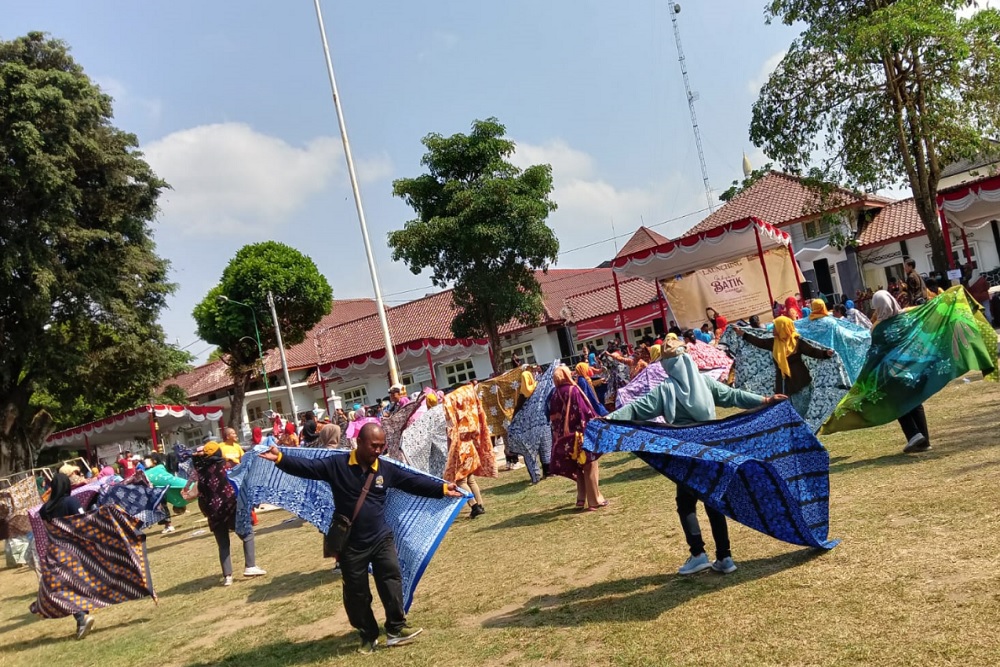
499,398
470,451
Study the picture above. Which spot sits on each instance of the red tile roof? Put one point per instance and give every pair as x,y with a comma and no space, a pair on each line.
203,380
304,354
897,221
601,301
780,199
643,239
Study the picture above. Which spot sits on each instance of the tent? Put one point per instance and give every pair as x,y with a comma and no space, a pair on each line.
968,207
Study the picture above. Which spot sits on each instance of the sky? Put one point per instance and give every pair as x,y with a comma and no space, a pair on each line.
232,107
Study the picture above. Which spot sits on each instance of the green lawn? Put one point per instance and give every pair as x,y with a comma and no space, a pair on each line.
914,582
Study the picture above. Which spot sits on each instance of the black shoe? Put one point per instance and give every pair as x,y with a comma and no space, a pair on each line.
477,510
918,443
367,647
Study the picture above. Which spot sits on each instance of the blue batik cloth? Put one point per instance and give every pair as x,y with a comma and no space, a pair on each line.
764,468
142,502
529,434
847,339
418,524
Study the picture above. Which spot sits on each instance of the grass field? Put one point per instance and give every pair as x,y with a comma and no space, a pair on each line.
914,582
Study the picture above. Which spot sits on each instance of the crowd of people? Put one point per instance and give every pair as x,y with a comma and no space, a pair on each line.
435,444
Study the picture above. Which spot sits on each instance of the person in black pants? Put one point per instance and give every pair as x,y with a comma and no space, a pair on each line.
370,540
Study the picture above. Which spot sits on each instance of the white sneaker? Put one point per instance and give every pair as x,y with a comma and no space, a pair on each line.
227,580
254,572
169,529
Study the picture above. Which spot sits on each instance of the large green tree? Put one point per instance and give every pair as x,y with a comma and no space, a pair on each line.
302,297
81,286
876,93
481,228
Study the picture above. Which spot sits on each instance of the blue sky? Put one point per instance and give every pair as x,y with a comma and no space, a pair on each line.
231,103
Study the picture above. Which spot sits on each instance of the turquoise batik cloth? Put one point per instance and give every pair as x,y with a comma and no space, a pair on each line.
848,340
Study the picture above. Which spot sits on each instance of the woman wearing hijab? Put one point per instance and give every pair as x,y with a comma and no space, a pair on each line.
818,309
289,438
720,326
586,386
687,397
791,377
329,437
61,503
792,310
569,411
855,316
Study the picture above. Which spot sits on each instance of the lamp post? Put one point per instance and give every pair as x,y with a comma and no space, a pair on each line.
284,361
260,350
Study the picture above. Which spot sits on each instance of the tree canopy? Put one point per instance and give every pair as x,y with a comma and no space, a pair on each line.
81,286
302,297
480,227
875,93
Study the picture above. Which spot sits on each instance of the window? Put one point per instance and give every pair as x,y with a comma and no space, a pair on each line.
255,413
524,352
459,373
958,255
354,396
599,343
637,334
814,229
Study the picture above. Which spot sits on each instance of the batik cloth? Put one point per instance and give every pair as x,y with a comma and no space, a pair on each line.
529,433
90,561
145,503
394,425
159,477
709,358
763,468
354,428
913,356
470,451
424,443
418,524
15,502
499,397
185,466
616,375
646,381
85,495
568,455
845,338
216,495
753,370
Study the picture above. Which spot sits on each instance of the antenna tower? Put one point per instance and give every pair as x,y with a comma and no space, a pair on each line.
692,97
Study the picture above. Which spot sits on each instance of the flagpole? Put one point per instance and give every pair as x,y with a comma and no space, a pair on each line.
383,320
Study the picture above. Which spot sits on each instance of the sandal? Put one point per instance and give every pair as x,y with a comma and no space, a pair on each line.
600,506
580,504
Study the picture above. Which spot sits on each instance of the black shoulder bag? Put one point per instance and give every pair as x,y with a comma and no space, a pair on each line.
340,528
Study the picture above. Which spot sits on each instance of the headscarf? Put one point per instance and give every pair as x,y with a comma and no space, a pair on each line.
720,324
786,339
818,309
806,312
329,436
689,390
59,488
562,376
884,306
289,428
655,352
792,310
672,336
106,471
849,304
257,435
431,399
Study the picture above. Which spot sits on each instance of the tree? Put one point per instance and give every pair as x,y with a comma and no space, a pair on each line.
481,227
81,286
889,92
302,297
739,186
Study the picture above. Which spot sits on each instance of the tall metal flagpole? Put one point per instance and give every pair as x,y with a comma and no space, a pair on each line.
389,351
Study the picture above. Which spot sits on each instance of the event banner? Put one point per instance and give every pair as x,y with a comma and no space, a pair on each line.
736,289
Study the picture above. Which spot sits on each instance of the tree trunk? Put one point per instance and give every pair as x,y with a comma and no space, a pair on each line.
24,430
927,208
493,334
241,380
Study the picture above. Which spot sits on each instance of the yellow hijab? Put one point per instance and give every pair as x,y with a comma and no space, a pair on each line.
655,352
818,308
786,339
583,370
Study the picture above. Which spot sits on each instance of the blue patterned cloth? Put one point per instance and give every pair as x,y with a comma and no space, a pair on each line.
847,339
753,371
763,468
418,524
142,502
529,433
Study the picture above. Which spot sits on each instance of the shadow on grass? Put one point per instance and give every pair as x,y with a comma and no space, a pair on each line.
615,461
533,518
289,584
289,653
23,597
509,488
630,475
19,621
193,586
638,599
294,522
180,537
70,635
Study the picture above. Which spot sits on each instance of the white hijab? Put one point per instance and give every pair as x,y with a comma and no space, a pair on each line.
884,305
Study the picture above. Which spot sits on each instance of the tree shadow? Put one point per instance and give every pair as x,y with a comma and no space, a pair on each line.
19,621
193,586
70,635
533,518
23,597
638,599
288,524
289,584
287,652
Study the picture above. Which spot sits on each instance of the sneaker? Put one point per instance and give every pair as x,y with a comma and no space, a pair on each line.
254,572
367,647
917,443
227,580
694,564
84,630
515,466
477,510
168,530
404,636
724,566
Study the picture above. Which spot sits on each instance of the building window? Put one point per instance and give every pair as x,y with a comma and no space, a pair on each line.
524,352
636,335
599,343
459,373
814,229
354,396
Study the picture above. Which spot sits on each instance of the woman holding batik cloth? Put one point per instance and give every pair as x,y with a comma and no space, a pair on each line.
569,411
791,377
586,385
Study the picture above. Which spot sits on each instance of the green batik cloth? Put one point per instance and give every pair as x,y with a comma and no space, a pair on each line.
913,356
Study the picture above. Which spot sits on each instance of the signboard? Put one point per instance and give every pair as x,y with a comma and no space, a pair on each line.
954,274
610,325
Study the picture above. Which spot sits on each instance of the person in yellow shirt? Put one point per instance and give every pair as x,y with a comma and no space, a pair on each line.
229,448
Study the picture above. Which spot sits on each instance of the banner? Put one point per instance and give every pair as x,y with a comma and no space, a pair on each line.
736,290
610,325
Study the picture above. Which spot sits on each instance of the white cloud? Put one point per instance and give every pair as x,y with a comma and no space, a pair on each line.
757,82
230,178
125,101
